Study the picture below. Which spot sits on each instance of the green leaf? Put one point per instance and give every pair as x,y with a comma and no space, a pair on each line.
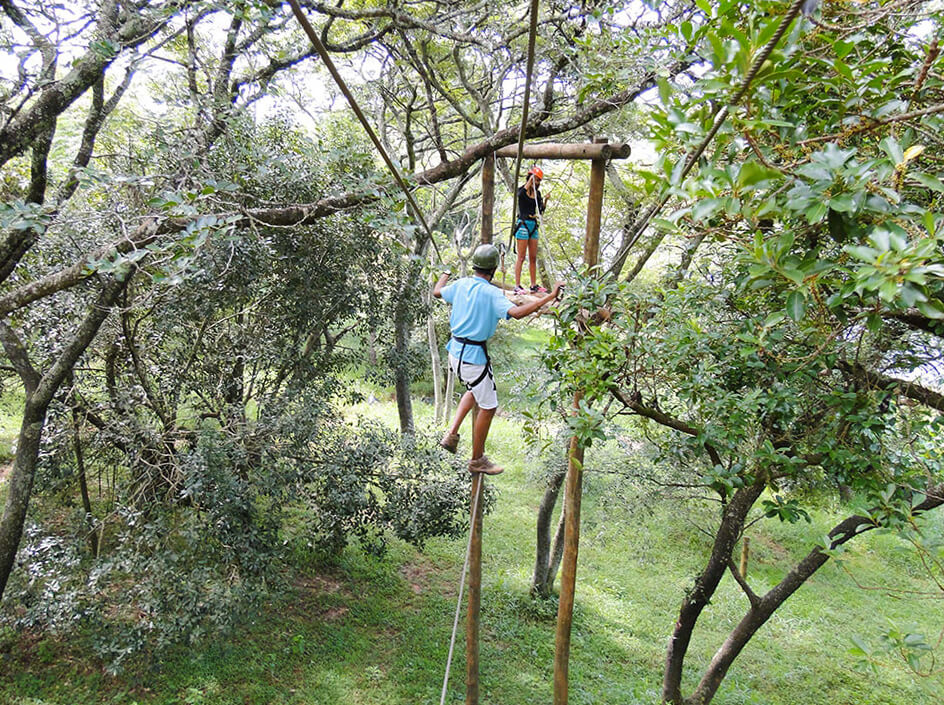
752,173
837,226
774,318
891,147
843,203
929,223
863,253
664,224
665,90
815,213
794,275
932,309
888,290
928,181
842,48
861,645
842,69
689,128
796,305
705,208
911,295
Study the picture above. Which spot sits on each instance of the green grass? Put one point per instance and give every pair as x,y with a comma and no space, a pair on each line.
369,631
11,408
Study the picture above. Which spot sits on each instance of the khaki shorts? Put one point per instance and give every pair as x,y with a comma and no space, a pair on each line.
485,393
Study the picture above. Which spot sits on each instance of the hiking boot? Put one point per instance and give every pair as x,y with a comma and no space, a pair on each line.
538,289
450,442
484,466
520,290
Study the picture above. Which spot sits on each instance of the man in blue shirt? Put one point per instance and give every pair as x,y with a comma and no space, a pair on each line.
477,307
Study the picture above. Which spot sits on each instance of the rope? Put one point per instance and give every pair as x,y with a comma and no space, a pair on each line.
465,568
719,117
532,35
332,69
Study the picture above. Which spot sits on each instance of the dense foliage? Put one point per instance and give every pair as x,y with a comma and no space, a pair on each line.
194,278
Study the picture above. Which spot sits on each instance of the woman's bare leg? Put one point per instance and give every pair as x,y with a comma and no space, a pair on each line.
522,249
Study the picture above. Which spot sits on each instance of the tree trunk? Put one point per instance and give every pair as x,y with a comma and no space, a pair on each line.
557,552
401,367
732,524
20,486
39,393
435,363
80,470
437,370
762,609
542,580
450,395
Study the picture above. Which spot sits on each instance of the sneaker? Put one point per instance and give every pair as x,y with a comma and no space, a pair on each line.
520,290
450,441
537,289
484,466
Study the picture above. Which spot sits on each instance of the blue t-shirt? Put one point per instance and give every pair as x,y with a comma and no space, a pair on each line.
477,307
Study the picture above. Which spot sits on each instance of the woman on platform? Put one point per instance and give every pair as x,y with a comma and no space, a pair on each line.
530,205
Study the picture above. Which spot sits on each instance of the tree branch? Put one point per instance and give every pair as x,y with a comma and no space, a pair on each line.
912,390
55,97
19,358
751,595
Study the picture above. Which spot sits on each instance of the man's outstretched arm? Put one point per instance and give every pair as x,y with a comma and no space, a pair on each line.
522,310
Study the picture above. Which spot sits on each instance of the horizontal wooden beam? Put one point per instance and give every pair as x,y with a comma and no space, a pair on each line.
568,150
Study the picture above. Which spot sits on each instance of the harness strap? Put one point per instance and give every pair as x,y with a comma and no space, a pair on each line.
486,371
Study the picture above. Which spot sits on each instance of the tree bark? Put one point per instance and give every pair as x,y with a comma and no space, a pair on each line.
401,369
732,524
542,580
39,393
557,550
450,394
759,613
56,96
83,480
437,369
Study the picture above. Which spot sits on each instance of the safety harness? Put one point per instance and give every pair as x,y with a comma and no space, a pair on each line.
486,371
529,223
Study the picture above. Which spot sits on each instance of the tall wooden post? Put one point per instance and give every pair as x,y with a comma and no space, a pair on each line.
573,488
488,197
475,596
475,542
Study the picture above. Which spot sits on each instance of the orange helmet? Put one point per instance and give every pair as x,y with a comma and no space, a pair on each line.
536,170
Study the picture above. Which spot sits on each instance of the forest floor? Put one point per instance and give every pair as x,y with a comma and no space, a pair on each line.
372,631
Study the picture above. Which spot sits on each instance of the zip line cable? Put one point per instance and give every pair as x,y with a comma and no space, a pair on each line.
532,36
465,568
718,120
332,69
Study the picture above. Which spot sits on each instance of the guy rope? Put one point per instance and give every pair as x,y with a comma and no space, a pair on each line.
532,36
332,69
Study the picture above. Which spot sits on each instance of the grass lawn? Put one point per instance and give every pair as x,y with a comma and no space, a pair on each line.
370,631
11,408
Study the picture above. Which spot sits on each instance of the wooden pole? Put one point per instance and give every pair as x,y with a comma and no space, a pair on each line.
475,598
745,554
591,246
475,542
573,488
488,197
566,150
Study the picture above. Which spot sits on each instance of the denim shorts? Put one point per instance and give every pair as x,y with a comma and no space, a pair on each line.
527,230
